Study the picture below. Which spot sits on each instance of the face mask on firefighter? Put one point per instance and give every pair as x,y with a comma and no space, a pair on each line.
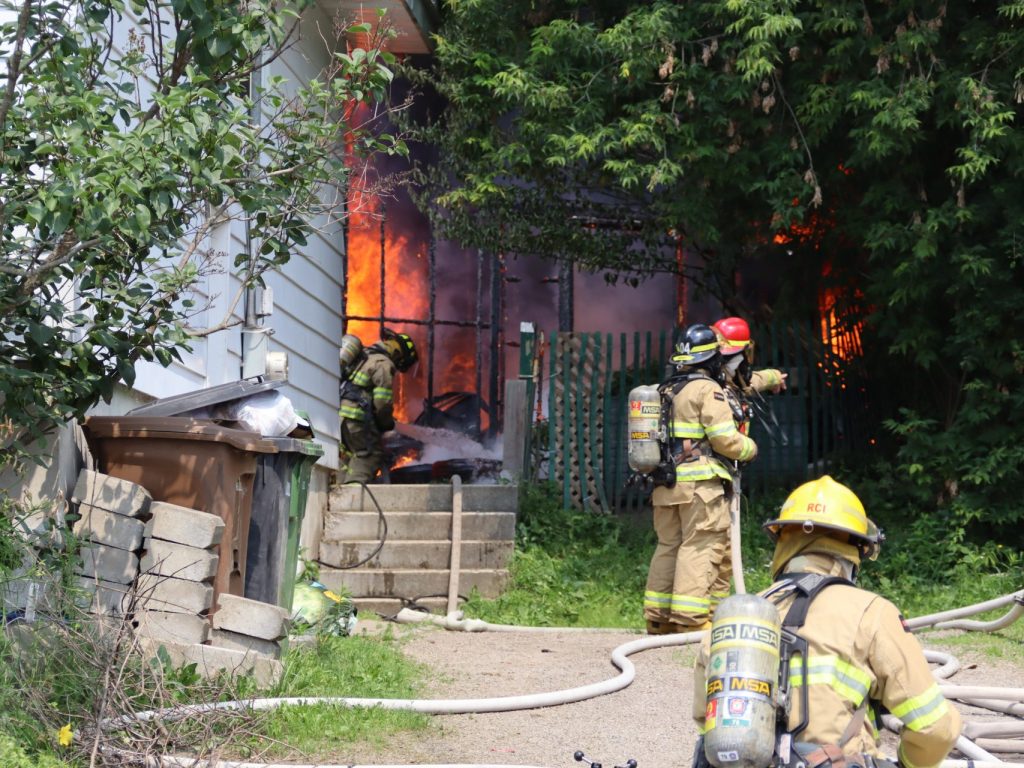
732,363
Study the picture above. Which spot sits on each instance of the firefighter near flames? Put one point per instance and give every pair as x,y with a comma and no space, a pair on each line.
367,399
688,438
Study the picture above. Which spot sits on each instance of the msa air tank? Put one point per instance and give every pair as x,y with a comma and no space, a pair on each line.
644,423
348,354
742,677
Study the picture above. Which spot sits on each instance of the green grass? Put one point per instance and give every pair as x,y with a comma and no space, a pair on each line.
579,569
359,667
570,568
1005,645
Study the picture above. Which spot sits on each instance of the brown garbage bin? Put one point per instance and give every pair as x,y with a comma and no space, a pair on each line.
191,463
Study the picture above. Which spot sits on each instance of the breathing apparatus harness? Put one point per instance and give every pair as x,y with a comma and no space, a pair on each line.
397,347
653,452
807,587
678,450
742,631
349,390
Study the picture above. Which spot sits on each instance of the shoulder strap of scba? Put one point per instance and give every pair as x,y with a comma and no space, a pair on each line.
669,389
672,386
807,587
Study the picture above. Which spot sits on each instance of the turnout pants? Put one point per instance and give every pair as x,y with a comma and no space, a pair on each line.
691,557
363,441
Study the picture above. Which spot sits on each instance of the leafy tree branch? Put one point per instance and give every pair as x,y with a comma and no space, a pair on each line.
132,131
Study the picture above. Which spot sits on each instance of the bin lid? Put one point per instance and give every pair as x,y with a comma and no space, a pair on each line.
175,428
202,398
295,445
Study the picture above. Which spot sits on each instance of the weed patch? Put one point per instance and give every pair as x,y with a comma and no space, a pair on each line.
571,568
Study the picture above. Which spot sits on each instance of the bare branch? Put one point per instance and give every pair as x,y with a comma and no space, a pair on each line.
227,322
14,66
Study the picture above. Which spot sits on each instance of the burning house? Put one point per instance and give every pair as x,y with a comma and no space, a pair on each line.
383,267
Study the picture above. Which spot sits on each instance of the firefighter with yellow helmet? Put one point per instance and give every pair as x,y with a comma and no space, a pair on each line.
367,403
691,512
860,658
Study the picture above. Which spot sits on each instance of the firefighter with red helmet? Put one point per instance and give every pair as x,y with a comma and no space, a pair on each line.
738,353
741,383
691,512
860,658
367,403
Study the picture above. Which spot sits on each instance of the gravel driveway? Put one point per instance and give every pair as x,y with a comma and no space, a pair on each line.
648,721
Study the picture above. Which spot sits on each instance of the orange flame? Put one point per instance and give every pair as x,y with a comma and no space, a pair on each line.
405,281
404,461
405,297
840,334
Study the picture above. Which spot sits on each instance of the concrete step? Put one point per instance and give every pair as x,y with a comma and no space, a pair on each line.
474,555
411,583
351,525
425,498
390,606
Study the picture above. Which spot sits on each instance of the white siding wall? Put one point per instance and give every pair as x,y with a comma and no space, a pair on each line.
307,297
307,291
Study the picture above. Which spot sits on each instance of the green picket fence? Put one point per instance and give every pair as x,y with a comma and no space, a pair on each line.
800,431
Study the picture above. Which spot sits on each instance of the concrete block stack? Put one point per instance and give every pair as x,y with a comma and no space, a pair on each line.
247,635
110,524
155,563
211,660
245,638
249,626
175,593
175,590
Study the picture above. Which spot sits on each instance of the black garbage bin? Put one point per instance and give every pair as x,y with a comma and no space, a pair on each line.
280,491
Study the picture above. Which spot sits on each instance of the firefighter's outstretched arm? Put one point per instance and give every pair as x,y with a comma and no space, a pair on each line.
908,690
768,380
720,427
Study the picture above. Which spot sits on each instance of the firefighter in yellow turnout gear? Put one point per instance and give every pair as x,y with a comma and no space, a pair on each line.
740,383
691,518
861,658
367,403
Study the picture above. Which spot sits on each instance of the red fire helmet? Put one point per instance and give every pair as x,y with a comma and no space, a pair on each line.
733,334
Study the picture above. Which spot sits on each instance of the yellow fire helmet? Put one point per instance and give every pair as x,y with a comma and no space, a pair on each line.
400,348
826,504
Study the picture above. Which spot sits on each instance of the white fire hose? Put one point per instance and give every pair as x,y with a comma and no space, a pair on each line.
982,696
734,536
